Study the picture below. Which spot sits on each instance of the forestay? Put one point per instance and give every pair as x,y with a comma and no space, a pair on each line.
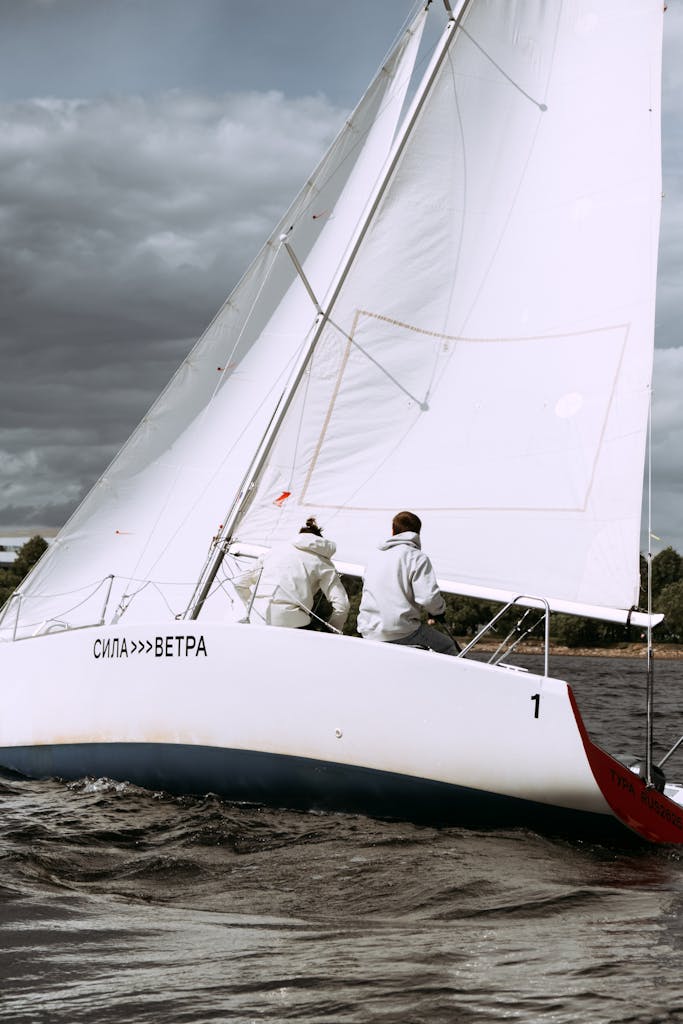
487,363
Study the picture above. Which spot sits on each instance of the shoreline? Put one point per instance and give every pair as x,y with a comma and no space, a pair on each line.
663,652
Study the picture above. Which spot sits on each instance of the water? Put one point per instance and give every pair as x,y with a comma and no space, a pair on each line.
121,905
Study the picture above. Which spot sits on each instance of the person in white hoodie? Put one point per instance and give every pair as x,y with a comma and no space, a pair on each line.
399,583
288,577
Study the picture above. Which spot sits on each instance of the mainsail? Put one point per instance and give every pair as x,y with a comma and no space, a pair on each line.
487,362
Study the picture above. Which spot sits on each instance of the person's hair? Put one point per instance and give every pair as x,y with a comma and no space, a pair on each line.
311,527
405,522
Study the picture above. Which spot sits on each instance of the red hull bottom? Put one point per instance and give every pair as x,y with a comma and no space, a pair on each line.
641,808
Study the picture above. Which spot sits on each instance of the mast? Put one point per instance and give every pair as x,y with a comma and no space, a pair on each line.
242,501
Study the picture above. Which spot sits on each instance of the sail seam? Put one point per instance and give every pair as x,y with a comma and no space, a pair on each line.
579,507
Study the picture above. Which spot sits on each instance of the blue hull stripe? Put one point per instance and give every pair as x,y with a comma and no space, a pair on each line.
295,782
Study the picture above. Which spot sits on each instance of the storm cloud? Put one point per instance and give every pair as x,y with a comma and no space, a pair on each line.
123,225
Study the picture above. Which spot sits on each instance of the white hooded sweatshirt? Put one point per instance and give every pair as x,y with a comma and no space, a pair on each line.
287,579
399,583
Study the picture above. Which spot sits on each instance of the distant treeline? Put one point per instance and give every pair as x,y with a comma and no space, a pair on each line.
464,615
11,575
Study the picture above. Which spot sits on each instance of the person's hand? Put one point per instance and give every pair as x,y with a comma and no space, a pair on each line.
436,618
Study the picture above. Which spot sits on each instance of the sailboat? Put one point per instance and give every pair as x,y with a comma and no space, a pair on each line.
454,316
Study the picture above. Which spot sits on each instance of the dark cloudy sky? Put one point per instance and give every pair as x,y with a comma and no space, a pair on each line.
147,147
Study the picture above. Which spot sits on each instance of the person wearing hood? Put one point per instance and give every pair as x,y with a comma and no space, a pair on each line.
399,584
288,577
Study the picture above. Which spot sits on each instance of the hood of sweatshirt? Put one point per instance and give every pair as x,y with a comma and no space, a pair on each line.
320,546
413,539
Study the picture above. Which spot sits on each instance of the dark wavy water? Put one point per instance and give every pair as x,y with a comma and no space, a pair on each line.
121,905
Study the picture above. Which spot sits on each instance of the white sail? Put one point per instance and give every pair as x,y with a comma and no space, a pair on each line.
488,360
149,520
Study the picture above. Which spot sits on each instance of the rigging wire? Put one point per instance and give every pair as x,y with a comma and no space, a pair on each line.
649,689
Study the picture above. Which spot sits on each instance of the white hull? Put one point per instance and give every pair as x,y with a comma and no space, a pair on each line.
300,694
302,719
